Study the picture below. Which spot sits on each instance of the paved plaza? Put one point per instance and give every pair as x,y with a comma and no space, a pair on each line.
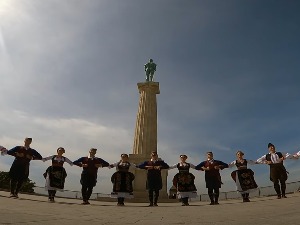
31,209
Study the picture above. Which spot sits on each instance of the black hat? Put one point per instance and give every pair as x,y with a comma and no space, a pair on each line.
270,144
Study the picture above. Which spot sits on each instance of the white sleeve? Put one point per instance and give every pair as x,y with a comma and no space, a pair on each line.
47,158
192,166
288,156
251,162
232,164
173,167
262,159
3,150
132,165
68,161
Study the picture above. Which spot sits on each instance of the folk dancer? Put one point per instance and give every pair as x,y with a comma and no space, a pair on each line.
184,181
90,165
56,174
243,177
122,180
213,181
278,172
154,180
19,170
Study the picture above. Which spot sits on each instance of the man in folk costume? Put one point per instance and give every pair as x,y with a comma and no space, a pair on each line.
278,172
154,180
90,165
19,170
213,181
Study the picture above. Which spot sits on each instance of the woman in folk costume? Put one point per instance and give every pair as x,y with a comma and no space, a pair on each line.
213,181
278,173
56,174
243,177
184,181
154,179
122,180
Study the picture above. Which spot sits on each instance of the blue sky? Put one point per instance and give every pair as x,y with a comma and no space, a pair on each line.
228,73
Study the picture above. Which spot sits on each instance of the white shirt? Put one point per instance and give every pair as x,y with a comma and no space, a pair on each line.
249,162
59,159
274,158
182,164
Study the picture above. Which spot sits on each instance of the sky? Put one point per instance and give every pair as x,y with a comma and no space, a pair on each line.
228,71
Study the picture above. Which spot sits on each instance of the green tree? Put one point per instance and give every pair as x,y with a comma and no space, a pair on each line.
5,183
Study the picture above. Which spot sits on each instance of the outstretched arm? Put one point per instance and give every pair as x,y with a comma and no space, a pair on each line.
232,164
78,162
173,167
143,165
200,166
221,165
3,150
36,155
68,161
47,158
164,165
262,160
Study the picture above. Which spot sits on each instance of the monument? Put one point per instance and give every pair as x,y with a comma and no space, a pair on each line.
145,138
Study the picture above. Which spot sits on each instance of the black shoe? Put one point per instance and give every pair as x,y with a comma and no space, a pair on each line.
155,204
212,203
284,196
279,197
151,204
216,203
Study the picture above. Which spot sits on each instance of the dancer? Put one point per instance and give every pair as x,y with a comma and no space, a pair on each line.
243,177
19,170
278,172
122,180
154,180
184,181
213,181
56,174
90,165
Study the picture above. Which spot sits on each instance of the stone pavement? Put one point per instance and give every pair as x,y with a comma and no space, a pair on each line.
30,209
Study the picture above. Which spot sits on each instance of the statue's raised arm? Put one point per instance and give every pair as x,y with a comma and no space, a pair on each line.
150,69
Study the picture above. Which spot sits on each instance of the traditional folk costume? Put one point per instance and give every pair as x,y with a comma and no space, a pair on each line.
184,182
89,175
122,182
212,178
19,170
243,177
278,172
55,175
154,180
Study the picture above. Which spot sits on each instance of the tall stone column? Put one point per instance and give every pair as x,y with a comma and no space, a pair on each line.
145,138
